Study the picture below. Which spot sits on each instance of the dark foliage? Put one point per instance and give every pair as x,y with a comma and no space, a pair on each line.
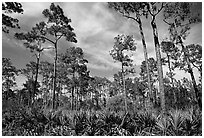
8,21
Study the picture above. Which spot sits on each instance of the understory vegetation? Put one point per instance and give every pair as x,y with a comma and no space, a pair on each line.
38,121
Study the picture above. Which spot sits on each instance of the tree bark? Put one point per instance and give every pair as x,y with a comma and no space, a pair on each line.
77,97
72,99
146,59
73,90
159,64
124,90
54,77
36,75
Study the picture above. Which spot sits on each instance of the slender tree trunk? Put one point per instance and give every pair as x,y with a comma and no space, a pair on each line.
72,95
124,90
36,75
77,97
195,87
146,59
169,65
190,71
54,77
46,88
72,99
159,64
61,89
78,101
154,92
200,70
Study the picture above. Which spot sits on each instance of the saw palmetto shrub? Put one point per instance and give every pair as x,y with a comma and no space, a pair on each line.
65,122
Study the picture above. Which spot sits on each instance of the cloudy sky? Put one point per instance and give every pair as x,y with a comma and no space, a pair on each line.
95,26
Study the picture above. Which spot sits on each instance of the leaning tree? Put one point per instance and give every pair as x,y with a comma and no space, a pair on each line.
180,17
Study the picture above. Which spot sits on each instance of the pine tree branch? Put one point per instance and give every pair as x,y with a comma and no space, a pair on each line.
128,16
162,6
47,39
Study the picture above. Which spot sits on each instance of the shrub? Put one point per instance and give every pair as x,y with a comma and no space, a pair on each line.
64,122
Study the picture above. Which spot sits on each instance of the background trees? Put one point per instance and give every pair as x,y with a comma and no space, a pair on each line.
153,75
195,56
134,11
35,43
123,43
9,73
172,53
46,71
31,86
179,17
73,59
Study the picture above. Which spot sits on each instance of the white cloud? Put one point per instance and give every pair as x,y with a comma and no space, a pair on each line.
102,60
12,42
20,80
87,20
34,9
97,67
95,27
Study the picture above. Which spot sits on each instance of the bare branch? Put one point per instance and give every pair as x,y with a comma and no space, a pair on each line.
59,37
195,66
167,22
47,48
162,6
128,16
150,11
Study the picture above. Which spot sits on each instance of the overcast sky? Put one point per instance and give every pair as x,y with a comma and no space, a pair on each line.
95,26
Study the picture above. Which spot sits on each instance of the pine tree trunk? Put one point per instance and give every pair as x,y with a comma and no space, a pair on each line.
124,90
72,99
155,97
190,71
146,60
72,96
159,64
54,77
36,75
46,88
77,97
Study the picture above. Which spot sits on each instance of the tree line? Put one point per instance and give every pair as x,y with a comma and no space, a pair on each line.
69,75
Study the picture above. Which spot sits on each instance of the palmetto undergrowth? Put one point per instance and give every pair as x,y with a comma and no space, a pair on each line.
64,122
